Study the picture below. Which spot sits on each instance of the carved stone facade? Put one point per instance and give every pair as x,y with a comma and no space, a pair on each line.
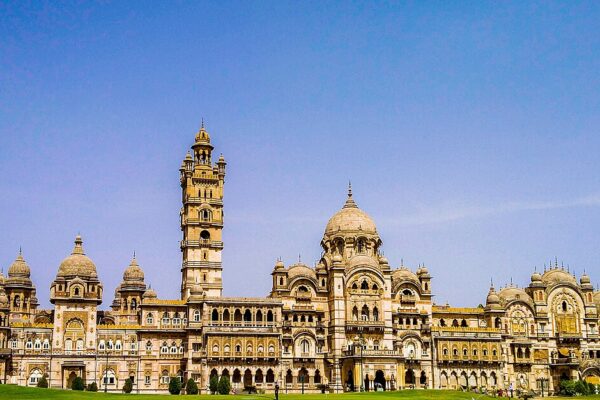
350,322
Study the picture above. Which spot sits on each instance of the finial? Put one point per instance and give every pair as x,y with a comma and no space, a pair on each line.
556,261
20,251
202,123
349,189
511,281
134,254
402,262
299,258
544,267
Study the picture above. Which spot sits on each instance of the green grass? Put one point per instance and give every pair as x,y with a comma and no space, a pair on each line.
12,392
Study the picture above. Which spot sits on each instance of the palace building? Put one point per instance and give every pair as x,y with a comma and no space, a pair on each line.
351,322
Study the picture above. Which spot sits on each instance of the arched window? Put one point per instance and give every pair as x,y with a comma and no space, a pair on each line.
164,377
165,318
463,323
133,304
68,345
164,349
118,345
564,306
355,314
197,315
173,348
442,322
305,346
364,285
375,287
226,349
361,246
46,344
79,345
76,291
109,345
354,286
215,348
148,346
226,316
269,316
247,315
375,314
455,323
259,316
176,319
364,314
35,376
215,314
101,345
29,344
149,319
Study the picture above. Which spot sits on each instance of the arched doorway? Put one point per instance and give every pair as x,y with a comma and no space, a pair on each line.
379,380
409,377
423,379
70,379
237,376
247,378
366,382
350,381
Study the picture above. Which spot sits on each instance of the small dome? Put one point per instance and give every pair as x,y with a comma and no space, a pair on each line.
383,260
300,270
188,156
350,219
133,273
536,277
19,268
511,293
492,297
149,294
404,274
585,279
422,270
202,136
221,159
77,264
279,265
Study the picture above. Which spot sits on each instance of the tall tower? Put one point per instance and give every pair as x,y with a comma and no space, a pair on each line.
202,218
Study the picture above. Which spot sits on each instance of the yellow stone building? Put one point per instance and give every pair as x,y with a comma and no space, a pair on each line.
352,322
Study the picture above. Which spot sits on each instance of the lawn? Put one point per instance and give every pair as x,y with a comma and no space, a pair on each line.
12,392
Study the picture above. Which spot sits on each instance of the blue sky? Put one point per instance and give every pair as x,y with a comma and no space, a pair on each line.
470,131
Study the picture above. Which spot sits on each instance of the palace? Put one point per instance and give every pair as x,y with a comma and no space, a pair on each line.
351,322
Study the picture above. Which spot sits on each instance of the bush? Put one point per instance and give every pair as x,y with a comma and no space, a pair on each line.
573,388
128,386
175,385
224,386
92,387
213,384
191,387
78,384
43,382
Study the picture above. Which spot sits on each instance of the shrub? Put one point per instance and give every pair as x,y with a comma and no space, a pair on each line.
175,385
213,384
92,387
128,386
191,387
224,386
78,384
43,382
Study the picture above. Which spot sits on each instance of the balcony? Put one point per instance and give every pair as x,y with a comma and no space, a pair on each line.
564,361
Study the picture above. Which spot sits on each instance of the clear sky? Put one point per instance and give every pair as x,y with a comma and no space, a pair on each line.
470,131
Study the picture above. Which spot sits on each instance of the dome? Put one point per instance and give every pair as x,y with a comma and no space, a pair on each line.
133,273
19,268
300,270
404,274
149,294
202,136
383,260
555,276
350,219
536,277
77,264
511,293
492,297
422,270
585,279
279,264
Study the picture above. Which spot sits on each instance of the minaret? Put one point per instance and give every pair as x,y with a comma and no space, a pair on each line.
202,218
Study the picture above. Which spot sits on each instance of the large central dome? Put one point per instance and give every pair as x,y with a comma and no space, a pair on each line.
77,264
350,219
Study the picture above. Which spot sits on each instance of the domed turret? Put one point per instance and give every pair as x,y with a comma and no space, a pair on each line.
133,273
19,268
585,279
149,294
350,219
279,265
536,277
77,264
492,300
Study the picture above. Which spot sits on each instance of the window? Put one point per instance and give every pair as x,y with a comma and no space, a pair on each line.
109,345
150,319
14,343
165,319
164,378
147,379
38,344
35,376
118,345
214,316
68,345
46,344
164,349
108,378
148,346
79,345
305,346
176,319
133,345
29,344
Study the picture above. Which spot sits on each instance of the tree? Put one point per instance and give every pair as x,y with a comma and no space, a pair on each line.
92,387
43,382
213,384
128,386
78,384
191,387
175,385
224,386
